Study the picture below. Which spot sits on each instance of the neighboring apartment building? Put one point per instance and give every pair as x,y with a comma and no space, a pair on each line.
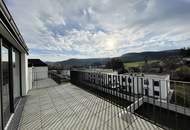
151,85
13,67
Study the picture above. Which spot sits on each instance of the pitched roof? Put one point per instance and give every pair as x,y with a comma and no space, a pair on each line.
36,63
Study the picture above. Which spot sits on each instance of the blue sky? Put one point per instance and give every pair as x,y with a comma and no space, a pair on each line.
57,30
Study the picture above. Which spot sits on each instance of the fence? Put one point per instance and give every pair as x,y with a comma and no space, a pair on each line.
163,102
59,78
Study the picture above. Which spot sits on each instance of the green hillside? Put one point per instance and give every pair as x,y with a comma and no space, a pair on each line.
130,59
137,64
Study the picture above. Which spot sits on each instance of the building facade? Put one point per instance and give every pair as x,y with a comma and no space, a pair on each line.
157,86
151,85
13,67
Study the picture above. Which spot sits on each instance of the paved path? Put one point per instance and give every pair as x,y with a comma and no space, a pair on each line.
67,107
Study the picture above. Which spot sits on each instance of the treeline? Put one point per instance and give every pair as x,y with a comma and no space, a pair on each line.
185,52
116,65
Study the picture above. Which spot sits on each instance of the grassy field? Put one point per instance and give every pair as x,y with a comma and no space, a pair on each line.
181,95
182,92
137,64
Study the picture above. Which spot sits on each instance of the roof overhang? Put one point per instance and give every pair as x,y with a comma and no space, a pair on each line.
9,36
9,30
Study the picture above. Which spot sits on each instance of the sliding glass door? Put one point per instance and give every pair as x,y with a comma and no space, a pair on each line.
16,75
5,84
10,81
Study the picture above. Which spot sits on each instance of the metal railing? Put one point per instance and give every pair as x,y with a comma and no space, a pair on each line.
163,102
59,78
38,79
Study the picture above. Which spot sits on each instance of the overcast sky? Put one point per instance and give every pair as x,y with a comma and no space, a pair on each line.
60,29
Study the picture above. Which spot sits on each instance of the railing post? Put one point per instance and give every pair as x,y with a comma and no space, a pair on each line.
138,92
160,99
122,86
142,92
184,103
167,100
153,102
126,89
116,85
129,82
176,125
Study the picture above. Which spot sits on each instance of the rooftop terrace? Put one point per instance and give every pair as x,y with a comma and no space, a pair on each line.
70,107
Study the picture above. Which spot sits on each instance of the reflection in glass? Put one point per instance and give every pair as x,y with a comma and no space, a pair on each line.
16,75
5,87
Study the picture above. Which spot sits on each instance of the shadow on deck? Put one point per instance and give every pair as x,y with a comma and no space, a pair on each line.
67,106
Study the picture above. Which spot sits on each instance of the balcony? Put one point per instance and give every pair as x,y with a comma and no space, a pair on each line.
89,102
70,107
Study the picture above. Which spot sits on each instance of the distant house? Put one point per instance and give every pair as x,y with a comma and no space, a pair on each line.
154,85
37,70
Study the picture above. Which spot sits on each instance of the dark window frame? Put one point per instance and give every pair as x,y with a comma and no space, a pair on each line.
146,82
156,83
156,93
4,42
146,92
10,85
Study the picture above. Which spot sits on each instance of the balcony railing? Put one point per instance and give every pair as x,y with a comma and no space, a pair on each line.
39,79
59,78
163,102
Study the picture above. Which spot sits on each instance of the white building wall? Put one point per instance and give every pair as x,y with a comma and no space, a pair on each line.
139,81
137,84
40,73
35,74
163,88
24,74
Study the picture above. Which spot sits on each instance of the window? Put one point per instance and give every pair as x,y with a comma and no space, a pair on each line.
10,66
5,84
129,80
146,92
130,89
156,93
146,82
156,83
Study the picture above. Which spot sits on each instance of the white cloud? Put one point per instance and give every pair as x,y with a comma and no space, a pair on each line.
62,29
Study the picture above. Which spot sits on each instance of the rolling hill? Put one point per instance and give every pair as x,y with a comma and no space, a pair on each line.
154,55
128,57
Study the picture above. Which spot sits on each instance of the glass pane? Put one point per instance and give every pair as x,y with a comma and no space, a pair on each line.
16,75
5,87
